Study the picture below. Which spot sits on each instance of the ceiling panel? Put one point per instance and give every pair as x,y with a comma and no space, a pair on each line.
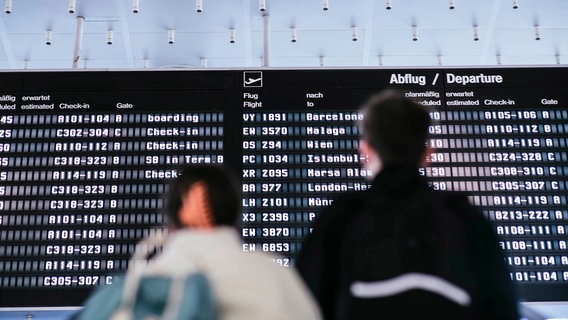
324,37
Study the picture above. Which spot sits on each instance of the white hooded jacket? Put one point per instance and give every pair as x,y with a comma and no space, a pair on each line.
246,285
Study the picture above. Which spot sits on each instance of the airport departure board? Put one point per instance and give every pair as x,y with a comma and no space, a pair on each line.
86,157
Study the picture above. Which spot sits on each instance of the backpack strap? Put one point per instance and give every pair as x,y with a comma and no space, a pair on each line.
411,281
138,265
187,295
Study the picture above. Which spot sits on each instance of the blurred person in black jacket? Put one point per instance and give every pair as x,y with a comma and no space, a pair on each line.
400,249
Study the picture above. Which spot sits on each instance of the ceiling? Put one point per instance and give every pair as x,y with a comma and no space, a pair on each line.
444,36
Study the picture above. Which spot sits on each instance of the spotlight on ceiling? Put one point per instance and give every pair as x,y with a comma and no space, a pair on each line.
71,8
109,37
475,33
293,34
48,37
232,35
171,35
8,8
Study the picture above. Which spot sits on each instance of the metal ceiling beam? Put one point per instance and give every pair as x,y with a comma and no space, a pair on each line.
128,50
266,40
247,30
78,41
369,32
487,38
6,44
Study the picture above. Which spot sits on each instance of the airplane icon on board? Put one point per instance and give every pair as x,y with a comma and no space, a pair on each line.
252,79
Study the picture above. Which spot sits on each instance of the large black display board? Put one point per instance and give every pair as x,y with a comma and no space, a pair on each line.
85,158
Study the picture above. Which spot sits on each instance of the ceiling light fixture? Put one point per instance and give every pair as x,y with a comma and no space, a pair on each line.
322,61
389,5
536,32
48,37
414,33
262,5
135,6
79,31
354,33
325,5
293,34
109,37
171,36
515,4
199,5
71,8
232,35
475,33
8,8
204,62
452,4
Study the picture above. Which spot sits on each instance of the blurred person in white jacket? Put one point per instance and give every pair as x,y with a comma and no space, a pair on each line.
203,206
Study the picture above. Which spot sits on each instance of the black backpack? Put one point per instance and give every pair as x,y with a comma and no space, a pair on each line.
407,257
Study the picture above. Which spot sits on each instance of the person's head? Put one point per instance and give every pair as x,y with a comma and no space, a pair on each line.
394,131
203,196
